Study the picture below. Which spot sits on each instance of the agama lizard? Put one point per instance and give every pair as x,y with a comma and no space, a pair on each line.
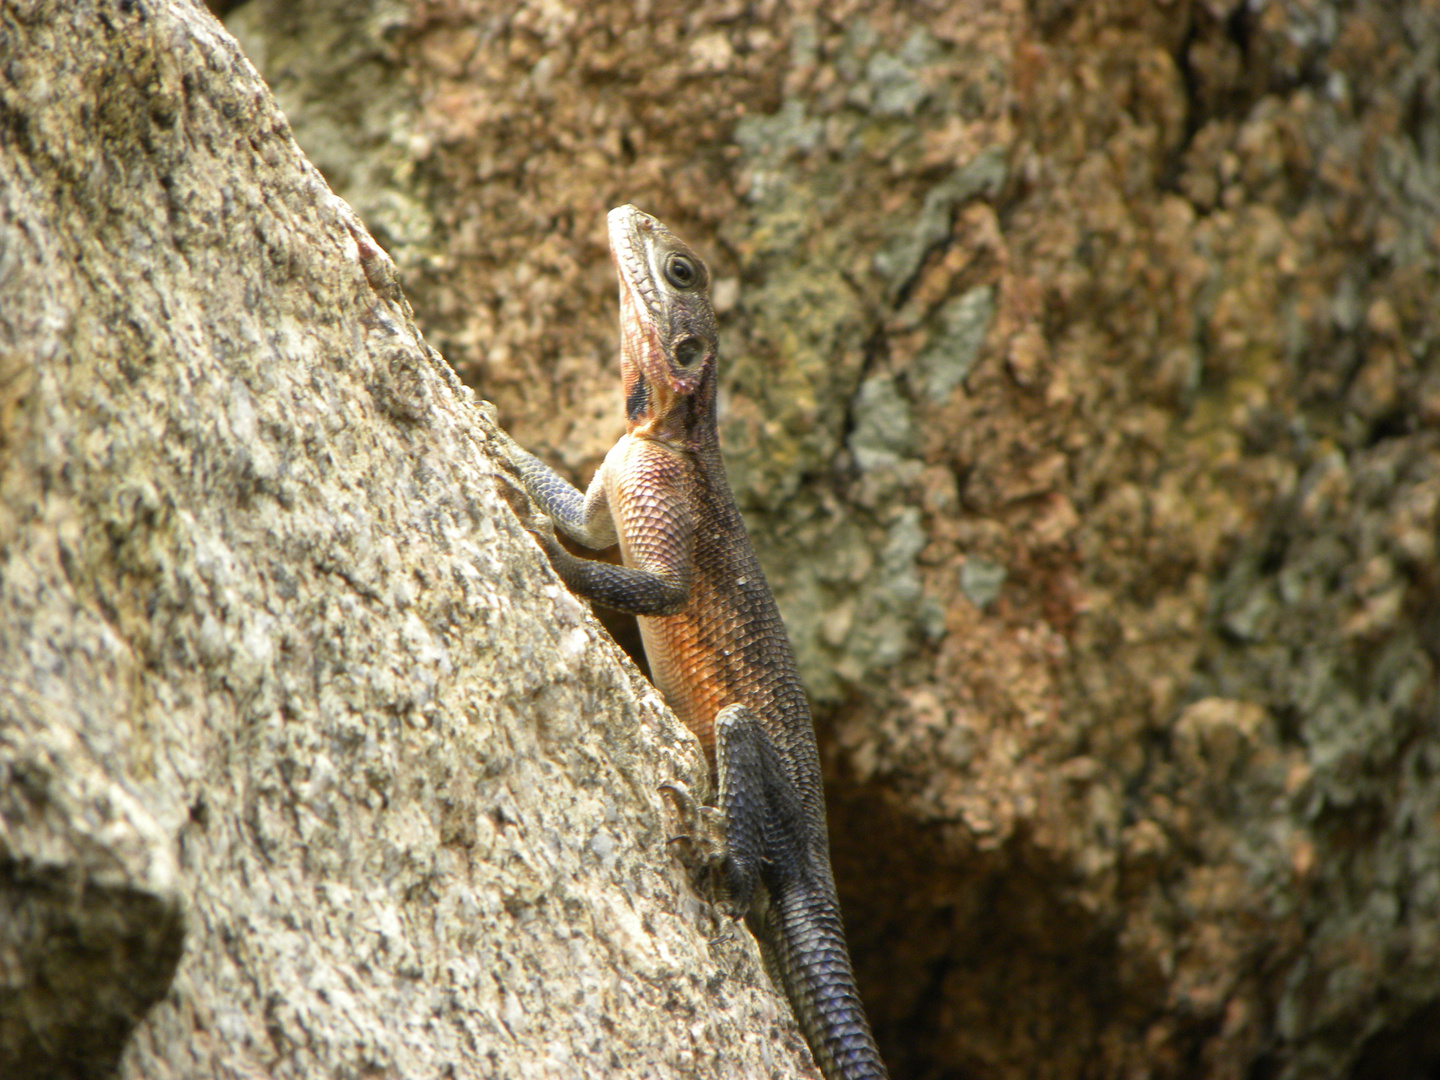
713,636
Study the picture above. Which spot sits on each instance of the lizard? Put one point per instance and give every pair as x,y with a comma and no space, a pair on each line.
712,633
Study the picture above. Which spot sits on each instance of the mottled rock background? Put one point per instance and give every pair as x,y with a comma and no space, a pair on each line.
1083,397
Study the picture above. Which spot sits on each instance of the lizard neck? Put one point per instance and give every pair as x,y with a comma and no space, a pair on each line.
684,420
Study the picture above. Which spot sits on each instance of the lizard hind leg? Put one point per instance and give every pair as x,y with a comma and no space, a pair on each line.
756,833
763,812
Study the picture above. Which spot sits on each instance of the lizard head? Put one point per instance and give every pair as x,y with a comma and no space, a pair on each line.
668,342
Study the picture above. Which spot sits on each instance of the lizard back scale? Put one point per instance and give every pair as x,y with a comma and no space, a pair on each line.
717,648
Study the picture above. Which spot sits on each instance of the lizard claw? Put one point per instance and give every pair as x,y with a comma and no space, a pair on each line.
701,827
680,797
504,447
522,503
683,804
491,424
726,934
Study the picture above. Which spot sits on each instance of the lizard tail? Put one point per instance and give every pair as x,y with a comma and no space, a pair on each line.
807,949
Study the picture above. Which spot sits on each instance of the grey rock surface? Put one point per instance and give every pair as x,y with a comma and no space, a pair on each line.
308,765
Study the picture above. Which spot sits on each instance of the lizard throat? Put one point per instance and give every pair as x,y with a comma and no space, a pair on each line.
656,404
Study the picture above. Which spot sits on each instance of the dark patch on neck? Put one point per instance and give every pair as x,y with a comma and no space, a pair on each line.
637,401
700,409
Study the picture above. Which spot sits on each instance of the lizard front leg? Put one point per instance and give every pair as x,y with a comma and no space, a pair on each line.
582,516
641,511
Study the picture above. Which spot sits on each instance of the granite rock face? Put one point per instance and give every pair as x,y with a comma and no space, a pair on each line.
308,765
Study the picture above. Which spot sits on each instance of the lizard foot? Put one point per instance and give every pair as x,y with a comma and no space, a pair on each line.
504,449
727,932
522,504
700,835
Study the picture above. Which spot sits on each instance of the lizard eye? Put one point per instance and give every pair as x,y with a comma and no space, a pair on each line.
689,351
681,271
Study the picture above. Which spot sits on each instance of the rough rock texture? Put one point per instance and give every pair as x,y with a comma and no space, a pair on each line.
1084,395
302,748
